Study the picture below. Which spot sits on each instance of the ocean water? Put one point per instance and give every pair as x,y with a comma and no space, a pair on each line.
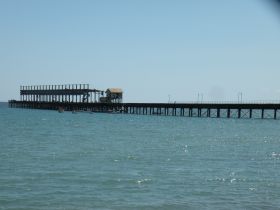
52,160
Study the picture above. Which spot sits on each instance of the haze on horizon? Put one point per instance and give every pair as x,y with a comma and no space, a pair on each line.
154,50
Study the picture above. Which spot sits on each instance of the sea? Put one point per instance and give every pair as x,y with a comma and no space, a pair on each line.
51,160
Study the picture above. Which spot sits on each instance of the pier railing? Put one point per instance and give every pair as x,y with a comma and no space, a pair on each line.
228,102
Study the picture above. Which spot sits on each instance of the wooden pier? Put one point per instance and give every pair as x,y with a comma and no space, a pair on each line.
81,98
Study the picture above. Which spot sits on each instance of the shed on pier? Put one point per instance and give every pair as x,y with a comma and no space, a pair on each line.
114,95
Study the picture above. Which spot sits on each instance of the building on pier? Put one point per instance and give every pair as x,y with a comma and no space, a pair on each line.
113,95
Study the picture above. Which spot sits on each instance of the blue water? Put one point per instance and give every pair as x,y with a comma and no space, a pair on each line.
52,160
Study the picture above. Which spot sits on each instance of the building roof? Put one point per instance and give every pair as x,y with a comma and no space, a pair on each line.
114,90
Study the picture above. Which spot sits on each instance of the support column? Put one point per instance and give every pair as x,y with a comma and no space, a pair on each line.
239,113
199,112
228,113
250,113
190,112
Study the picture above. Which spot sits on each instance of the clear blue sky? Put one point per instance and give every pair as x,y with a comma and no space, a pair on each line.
149,48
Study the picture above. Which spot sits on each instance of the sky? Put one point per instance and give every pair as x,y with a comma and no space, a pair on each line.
155,50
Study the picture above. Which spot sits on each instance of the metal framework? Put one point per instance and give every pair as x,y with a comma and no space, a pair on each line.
60,93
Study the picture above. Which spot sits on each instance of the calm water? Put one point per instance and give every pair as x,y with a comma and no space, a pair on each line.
51,160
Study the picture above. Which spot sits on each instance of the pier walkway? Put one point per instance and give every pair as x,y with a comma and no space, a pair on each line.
217,110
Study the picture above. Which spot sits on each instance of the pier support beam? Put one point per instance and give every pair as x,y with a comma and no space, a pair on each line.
250,113
199,112
208,112
228,113
239,113
182,112
190,112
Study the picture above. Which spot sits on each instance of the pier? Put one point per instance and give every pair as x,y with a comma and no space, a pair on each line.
80,97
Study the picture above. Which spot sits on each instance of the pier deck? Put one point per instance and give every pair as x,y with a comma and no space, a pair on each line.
210,110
